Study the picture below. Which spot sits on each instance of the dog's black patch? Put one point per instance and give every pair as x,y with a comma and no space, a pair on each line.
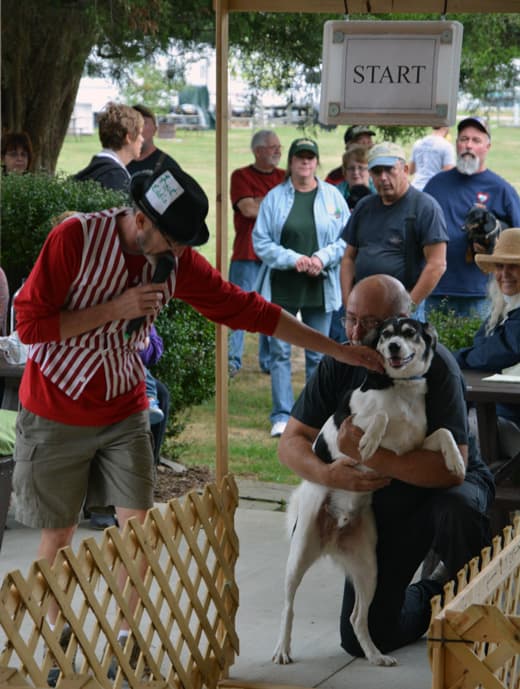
321,450
376,381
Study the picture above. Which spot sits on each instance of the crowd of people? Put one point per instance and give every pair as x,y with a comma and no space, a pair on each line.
316,264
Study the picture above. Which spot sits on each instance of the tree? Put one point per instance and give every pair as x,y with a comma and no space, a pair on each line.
491,66
145,84
46,45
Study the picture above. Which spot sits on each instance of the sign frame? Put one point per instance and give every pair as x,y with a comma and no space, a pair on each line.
390,72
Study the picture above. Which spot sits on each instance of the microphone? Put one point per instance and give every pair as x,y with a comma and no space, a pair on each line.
163,268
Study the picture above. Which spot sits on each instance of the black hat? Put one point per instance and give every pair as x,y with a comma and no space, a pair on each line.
174,202
478,122
356,130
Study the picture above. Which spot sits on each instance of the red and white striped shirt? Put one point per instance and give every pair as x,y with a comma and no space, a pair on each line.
59,278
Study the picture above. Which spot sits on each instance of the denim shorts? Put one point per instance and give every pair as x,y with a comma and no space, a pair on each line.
61,468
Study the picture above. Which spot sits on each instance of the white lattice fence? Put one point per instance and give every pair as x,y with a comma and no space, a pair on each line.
474,640
181,568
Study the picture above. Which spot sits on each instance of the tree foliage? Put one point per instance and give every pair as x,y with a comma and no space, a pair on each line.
47,44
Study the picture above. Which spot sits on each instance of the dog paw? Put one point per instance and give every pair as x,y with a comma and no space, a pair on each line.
455,463
367,446
281,657
382,660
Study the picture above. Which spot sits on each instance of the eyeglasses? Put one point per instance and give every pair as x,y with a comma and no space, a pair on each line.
357,168
367,323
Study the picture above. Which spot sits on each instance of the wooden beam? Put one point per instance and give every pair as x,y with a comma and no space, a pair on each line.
222,44
374,6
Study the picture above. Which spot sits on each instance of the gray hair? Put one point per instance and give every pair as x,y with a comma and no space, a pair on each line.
260,138
498,306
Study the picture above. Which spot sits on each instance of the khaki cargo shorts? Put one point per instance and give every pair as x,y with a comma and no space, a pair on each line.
60,468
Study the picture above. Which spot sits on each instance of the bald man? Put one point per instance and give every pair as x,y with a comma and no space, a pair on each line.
418,504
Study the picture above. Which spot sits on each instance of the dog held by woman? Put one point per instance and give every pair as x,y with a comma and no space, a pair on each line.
390,409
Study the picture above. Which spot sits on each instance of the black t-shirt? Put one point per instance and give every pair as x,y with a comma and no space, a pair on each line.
445,404
155,160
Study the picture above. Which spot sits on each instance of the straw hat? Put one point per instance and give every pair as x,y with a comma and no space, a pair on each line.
507,250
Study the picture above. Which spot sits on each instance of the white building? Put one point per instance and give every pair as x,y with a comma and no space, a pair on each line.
93,94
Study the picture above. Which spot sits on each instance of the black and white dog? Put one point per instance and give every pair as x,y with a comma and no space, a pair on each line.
390,409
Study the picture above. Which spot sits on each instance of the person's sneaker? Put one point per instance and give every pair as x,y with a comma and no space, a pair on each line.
278,428
101,521
156,413
134,657
233,370
440,574
54,672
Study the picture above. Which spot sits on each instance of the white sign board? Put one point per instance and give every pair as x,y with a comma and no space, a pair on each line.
387,72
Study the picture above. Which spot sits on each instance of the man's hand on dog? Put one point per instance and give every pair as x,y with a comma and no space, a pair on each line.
347,473
348,439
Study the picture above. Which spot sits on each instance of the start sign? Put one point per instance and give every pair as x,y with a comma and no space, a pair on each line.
390,72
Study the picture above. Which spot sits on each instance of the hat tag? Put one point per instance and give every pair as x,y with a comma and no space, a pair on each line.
163,192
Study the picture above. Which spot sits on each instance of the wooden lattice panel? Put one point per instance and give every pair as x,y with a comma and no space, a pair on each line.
474,640
181,566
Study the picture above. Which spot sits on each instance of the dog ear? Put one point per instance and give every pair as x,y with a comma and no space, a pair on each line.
371,338
430,334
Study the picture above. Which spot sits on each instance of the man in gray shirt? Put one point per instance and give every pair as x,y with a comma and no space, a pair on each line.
399,231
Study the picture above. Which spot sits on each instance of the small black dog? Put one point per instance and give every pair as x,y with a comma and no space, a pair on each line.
357,192
482,227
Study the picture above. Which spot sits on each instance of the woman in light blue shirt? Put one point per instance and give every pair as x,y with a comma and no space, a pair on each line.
297,236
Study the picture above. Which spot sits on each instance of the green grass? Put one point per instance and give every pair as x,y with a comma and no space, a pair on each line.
252,452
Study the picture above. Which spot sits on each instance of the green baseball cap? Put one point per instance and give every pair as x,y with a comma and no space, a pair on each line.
299,145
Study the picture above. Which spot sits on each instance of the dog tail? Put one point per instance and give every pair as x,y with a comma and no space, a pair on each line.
304,505
292,512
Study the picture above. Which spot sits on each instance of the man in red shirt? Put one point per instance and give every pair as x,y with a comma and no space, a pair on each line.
248,187
83,433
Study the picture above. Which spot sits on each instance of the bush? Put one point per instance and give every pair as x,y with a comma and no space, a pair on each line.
187,366
454,331
31,203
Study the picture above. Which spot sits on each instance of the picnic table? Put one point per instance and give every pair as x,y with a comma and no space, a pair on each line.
485,395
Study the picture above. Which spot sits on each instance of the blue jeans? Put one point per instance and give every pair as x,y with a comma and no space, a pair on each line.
281,385
337,330
244,274
150,384
463,306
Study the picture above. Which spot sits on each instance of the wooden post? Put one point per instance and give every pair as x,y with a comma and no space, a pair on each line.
222,45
